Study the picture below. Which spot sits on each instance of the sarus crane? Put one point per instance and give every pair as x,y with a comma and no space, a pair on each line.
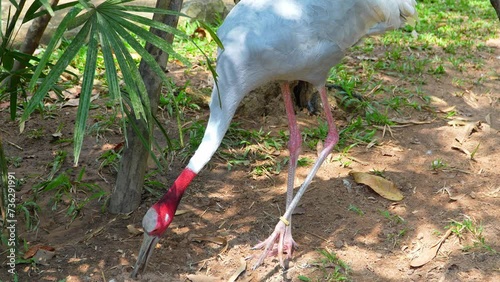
284,41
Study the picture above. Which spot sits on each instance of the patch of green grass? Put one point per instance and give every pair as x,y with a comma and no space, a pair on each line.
392,218
305,161
29,210
110,159
438,164
438,70
266,168
356,132
35,133
56,164
395,221
71,193
152,185
343,157
474,228
177,101
397,236
104,122
191,51
312,135
256,148
49,111
15,161
355,209
377,172
331,267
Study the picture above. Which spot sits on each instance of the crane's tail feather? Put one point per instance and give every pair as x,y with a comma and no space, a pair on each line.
408,12
393,14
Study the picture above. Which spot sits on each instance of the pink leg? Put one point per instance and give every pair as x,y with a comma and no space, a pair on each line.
294,145
282,233
295,141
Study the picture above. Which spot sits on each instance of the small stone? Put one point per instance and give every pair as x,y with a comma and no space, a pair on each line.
338,244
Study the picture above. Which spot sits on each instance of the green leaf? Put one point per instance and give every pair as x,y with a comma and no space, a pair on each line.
147,36
14,3
86,93
213,34
32,11
68,55
47,7
81,19
61,180
128,67
144,9
150,23
11,23
80,175
52,44
13,105
109,62
8,61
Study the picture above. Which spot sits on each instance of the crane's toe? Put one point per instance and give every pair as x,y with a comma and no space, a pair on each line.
280,242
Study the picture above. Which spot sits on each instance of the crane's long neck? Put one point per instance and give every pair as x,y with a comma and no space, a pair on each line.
222,108
221,114
171,199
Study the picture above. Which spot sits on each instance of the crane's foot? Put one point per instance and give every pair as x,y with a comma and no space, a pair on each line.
280,242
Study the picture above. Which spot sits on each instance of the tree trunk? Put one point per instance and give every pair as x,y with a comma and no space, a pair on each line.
496,6
126,196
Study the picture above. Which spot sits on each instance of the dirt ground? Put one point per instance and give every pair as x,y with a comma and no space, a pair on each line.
232,204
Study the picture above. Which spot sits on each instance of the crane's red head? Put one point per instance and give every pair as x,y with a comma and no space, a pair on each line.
159,217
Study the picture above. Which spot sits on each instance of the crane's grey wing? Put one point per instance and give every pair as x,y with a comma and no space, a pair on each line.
302,39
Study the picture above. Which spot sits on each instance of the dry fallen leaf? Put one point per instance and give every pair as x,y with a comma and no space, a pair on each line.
239,271
57,135
74,102
410,121
462,149
429,253
448,109
467,131
201,33
202,278
43,256
217,240
34,249
181,212
133,230
381,186
487,118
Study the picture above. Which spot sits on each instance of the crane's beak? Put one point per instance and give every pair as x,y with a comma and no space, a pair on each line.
147,247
